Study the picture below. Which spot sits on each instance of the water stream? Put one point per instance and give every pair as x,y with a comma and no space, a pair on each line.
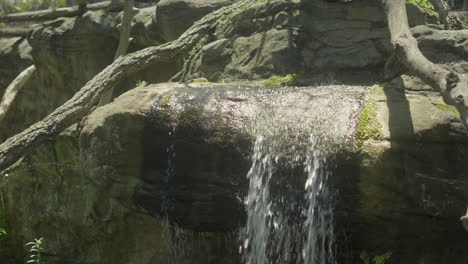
290,202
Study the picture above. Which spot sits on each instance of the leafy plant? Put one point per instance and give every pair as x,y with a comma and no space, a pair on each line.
378,259
32,5
2,232
141,83
36,248
382,259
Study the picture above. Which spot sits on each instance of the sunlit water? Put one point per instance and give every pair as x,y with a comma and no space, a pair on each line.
290,203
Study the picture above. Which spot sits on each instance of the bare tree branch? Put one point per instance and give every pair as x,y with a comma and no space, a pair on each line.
125,27
13,89
80,104
59,12
452,86
14,32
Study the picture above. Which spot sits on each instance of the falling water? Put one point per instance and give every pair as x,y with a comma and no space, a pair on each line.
258,204
290,204
318,248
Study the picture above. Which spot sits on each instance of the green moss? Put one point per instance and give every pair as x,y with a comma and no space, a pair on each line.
376,90
200,43
277,81
465,22
424,4
229,15
202,82
166,99
447,108
368,127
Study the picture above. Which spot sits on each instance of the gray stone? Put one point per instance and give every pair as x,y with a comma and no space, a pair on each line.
15,56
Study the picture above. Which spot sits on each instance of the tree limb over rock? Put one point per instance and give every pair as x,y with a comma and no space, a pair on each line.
59,12
453,87
14,32
80,104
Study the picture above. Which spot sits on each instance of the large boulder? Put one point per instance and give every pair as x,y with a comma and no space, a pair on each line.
412,184
179,154
182,152
278,37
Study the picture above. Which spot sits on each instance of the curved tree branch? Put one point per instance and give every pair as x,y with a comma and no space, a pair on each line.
80,104
13,89
59,12
452,86
14,32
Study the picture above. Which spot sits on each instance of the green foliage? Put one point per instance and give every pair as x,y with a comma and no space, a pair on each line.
278,81
36,248
382,259
368,127
141,83
32,5
465,22
166,99
424,4
448,108
378,259
202,82
421,3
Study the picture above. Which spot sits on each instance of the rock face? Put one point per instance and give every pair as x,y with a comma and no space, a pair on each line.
287,37
15,55
412,182
159,175
82,224
168,162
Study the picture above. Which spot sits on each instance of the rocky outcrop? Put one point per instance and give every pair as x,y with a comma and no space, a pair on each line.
159,175
15,55
168,163
82,224
290,36
412,184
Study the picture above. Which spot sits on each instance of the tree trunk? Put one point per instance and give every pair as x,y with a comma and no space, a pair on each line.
79,105
14,32
465,5
125,27
453,87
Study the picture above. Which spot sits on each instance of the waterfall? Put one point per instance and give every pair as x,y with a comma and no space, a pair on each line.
270,236
258,205
290,201
318,248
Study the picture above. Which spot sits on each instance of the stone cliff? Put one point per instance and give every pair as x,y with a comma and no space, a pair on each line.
159,175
